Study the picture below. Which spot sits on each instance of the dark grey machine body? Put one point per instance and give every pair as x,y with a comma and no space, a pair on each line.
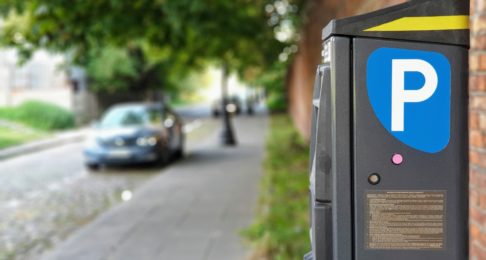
349,143
445,171
331,156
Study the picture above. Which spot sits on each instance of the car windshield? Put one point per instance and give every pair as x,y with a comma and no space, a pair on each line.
130,117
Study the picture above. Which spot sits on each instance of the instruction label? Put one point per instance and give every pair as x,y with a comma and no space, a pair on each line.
411,220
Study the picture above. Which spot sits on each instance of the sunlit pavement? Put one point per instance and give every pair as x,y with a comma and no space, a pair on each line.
192,211
46,196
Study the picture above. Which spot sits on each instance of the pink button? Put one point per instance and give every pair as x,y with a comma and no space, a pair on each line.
397,159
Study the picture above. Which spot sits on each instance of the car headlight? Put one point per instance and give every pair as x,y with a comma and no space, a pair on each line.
147,141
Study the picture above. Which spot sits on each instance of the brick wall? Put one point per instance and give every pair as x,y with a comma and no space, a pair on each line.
477,132
302,72
301,78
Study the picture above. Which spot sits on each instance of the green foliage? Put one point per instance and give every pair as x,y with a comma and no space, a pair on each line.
131,68
110,69
280,230
273,80
190,86
11,137
39,115
174,36
276,102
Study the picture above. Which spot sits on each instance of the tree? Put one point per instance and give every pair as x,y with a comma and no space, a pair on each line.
185,32
156,35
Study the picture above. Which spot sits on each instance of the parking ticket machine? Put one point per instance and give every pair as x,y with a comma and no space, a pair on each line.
389,146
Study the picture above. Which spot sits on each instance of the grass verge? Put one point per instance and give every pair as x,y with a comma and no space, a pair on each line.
39,115
280,230
10,137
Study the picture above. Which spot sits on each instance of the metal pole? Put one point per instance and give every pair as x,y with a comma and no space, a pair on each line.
227,134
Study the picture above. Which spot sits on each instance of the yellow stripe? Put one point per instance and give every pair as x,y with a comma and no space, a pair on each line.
424,23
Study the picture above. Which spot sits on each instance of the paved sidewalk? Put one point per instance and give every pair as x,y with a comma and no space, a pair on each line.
194,210
56,140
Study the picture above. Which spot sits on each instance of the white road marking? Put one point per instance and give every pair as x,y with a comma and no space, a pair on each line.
192,126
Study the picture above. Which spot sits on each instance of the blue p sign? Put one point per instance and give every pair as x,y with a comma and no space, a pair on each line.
410,93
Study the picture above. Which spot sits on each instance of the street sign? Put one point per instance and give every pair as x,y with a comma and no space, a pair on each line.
389,147
410,92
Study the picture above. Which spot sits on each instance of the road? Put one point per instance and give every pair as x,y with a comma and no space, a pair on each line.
46,196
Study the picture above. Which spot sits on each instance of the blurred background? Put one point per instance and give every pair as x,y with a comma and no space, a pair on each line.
164,129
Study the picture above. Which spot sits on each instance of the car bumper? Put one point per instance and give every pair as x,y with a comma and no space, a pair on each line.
121,156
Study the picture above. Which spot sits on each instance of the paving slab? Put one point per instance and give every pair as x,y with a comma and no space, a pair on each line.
56,140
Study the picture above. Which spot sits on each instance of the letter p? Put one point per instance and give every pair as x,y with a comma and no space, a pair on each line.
400,95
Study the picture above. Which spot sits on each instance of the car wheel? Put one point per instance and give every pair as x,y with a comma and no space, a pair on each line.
164,157
215,113
93,166
179,153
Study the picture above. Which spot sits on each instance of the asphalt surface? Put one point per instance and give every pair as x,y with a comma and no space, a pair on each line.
46,196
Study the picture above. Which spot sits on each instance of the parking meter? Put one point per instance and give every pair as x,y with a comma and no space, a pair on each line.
389,146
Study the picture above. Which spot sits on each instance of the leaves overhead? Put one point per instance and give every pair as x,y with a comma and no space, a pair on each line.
172,35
